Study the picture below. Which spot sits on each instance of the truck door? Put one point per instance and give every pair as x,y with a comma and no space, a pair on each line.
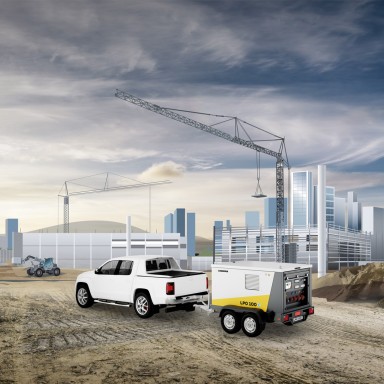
122,282
103,280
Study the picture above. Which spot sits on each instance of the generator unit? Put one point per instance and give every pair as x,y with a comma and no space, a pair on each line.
250,294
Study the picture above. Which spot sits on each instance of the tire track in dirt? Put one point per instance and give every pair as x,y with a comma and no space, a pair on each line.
324,325
262,367
42,334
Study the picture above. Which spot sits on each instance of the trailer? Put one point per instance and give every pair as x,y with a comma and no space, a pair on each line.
249,294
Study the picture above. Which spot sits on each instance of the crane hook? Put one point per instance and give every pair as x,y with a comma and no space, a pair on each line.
259,192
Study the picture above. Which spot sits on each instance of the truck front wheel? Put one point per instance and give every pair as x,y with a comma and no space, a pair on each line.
252,324
230,321
143,305
83,296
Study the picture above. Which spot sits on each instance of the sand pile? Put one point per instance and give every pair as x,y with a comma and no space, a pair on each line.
355,283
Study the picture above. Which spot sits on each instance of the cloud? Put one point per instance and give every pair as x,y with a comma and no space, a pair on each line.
305,71
168,169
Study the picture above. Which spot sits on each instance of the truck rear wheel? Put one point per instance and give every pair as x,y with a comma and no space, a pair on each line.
56,271
143,305
230,321
252,324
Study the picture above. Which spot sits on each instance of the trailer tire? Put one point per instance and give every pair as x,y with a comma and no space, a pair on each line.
143,305
83,296
230,321
39,272
252,324
56,271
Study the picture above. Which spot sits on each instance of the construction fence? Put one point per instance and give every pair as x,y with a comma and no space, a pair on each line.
345,247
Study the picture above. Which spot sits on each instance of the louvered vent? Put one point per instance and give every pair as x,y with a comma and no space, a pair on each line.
252,282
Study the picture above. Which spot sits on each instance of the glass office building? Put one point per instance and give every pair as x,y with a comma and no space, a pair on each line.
301,199
191,234
330,216
179,221
252,219
270,212
11,226
168,223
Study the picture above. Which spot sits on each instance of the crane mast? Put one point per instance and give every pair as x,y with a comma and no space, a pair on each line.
280,160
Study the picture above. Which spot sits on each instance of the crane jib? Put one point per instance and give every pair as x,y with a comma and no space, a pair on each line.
280,161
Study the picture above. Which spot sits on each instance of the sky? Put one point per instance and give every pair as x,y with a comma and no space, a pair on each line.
311,72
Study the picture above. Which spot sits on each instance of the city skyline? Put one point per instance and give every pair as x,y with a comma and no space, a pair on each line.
307,71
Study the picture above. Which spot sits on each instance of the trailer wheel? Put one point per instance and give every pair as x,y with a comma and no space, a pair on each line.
230,321
39,272
56,271
83,296
252,324
143,305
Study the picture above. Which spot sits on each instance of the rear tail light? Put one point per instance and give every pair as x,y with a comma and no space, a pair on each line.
170,289
206,282
286,318
297,313
311,311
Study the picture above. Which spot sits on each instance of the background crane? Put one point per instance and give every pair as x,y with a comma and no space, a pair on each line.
105,188
280,155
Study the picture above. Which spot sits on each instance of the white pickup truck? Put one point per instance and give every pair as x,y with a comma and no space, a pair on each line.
146,282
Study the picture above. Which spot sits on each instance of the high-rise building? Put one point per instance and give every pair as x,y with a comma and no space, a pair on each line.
373,222
301,204
340,212
168,223
252,219
354,211
270,212
191,234
329,205
11,226
186,226
179,221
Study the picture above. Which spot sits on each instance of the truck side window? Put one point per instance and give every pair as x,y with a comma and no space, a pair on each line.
163,266
151,265
109,268
125,267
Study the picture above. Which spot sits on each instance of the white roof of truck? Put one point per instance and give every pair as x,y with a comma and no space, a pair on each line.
262,266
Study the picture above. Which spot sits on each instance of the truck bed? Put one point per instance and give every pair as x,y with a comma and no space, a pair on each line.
175,273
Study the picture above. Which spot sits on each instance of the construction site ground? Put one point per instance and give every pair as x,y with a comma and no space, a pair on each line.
46,338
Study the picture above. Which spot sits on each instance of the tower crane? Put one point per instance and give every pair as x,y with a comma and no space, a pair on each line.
280,155
105,188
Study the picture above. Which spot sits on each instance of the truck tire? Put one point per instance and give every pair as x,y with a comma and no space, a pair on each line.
252,324
230,321
39,272
30,272
83,296
143,305
56,271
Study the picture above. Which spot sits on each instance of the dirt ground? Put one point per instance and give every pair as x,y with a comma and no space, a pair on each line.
46,338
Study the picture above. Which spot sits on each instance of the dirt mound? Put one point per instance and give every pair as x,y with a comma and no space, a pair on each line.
355,283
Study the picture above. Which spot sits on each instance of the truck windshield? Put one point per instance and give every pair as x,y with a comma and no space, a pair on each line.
161,263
